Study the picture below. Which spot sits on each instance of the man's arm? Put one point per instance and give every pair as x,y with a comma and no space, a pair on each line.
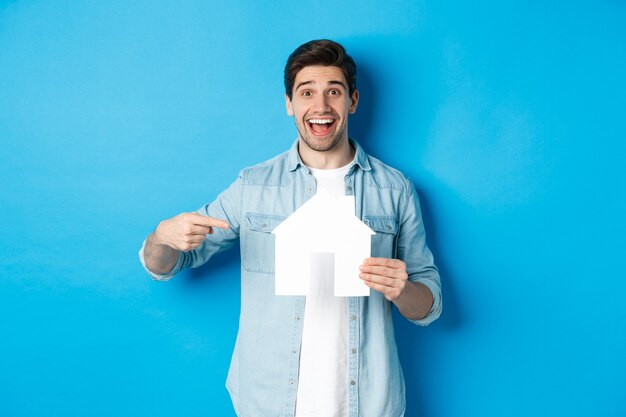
412,281
181,233
389,277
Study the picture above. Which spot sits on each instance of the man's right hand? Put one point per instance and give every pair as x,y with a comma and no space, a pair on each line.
186,231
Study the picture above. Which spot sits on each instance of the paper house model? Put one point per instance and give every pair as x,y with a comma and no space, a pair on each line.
324,224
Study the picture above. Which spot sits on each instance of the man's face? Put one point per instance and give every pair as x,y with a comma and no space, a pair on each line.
320,105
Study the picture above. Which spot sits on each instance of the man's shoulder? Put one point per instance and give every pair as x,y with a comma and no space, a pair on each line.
268,172
386,176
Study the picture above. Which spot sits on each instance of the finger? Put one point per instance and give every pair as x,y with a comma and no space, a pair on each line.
191,243
200,220
387,262
385,271
379,280
197,230
196,239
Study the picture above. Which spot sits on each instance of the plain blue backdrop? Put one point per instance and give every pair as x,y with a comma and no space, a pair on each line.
508,116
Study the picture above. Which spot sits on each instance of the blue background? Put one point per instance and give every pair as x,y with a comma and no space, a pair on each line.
508,116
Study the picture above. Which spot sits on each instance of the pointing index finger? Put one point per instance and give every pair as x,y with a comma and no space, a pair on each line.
201,220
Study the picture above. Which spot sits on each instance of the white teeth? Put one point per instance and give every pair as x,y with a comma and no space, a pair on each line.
320,121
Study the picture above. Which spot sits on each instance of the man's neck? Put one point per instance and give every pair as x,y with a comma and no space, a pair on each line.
338,157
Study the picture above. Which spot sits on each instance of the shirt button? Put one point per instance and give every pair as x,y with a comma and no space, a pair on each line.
297,317
353,350
353,382
353,317
291,381
349,188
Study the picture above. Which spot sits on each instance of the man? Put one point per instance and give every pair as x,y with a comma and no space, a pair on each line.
319,355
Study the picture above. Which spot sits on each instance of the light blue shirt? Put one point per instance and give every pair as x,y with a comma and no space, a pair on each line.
263,374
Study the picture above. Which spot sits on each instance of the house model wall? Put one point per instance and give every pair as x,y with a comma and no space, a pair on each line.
324,224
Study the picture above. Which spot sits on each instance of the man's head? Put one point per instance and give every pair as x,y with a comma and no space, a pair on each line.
320,83
325,53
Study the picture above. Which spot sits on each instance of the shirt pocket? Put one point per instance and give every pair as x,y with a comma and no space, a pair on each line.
384,241
257,242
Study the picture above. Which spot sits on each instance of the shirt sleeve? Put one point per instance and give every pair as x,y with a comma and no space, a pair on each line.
412,249
227,207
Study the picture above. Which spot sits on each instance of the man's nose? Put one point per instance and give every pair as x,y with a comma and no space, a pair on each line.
321,104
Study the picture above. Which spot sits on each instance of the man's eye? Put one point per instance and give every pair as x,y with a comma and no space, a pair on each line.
306,93
334,93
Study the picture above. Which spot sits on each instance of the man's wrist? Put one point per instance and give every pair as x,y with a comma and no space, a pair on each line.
156,235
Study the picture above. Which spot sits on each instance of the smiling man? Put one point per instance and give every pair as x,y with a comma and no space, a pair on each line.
319,355
320,103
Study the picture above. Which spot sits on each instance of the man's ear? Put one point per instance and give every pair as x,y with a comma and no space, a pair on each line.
288,105
354,101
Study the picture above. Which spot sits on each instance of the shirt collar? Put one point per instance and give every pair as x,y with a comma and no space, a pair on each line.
360,157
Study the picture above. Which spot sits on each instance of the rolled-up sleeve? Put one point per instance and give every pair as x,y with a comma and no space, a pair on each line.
225,207
412,249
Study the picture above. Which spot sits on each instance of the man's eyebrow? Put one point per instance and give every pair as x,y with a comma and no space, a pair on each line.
341,83
332,82
303,83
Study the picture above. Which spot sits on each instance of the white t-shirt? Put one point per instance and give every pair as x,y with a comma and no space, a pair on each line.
323,377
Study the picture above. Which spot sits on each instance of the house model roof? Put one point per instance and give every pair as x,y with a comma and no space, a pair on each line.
326,214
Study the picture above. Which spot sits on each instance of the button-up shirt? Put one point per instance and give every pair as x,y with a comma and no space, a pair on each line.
263,375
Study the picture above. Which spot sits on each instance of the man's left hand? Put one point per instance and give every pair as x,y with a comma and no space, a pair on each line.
385,275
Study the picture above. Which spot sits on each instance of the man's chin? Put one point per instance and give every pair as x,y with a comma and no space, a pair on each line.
320,147
321,144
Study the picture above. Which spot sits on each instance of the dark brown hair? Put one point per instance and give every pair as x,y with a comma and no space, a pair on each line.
319,52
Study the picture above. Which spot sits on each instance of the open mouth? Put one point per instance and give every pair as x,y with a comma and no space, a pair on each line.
321,126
